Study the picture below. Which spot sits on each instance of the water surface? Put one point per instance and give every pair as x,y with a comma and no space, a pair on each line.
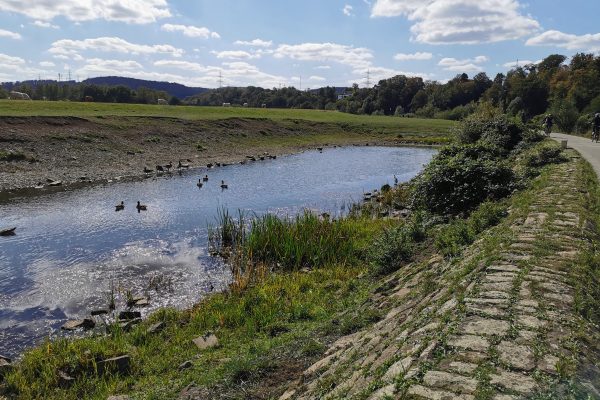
72,247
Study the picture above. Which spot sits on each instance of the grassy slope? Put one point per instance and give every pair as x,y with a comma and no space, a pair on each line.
92,110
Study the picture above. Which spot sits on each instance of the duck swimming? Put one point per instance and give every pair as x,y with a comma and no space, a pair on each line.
199,184
223,185
120,206
205,179
141,207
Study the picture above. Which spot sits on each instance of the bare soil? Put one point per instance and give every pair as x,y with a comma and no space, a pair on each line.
80,151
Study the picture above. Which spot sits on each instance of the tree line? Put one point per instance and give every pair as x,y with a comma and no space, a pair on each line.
570,91
72,91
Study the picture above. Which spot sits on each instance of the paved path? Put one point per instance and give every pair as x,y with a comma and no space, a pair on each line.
588,149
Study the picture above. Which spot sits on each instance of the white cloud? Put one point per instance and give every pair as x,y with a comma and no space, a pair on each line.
235,55
9,34
588,42
255,43
236,73
70,48
460,21
10,61
347,10
316,78
191,31
129,11
413,57
467,65
47,64
329,52
98,67
44,24
323,67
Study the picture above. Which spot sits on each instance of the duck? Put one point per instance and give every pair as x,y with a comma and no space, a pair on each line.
180,165
199,184
160,168
120,206
205,179
395,180
147,170
223,185
141,207
169,166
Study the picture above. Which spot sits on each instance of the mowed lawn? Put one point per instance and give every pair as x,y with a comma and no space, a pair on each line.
16,108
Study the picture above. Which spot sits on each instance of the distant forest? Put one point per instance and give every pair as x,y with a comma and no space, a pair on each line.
571,91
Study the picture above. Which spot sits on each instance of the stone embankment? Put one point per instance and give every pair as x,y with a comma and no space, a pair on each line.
498,323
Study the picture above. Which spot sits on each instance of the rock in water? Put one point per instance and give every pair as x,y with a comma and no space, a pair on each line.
127,315
206,341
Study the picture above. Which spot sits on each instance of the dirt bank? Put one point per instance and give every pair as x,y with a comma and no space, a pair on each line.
35,150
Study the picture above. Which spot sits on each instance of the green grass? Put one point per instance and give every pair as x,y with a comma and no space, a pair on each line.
102,110
272,325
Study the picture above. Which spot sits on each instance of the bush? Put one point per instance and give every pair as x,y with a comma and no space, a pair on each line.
497,130
547,154
583,125
392,248
452,238
565,114
460,178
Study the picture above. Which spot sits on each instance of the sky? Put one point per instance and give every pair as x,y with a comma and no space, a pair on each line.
276,43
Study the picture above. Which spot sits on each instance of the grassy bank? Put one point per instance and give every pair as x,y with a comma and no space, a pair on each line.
13,108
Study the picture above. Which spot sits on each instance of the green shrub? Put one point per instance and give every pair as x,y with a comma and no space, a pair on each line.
12,156
390,249
460,178
543,155
583,124
453,237
565,114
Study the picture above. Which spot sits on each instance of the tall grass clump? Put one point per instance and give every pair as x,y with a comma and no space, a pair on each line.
253,246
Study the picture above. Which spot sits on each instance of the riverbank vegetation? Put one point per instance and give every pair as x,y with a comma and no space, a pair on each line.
298,283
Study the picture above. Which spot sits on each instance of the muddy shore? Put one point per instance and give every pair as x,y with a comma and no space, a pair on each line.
35,151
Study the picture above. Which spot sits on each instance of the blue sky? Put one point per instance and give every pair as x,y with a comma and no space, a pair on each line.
309,43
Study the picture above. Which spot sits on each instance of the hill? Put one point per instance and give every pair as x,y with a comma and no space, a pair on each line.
172,88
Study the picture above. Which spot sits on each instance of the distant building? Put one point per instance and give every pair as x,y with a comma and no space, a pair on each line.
343,96
19,96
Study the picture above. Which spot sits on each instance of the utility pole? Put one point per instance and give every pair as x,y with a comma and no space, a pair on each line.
300,82
220,79
69,75
59,76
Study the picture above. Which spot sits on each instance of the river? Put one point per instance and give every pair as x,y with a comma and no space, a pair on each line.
72,247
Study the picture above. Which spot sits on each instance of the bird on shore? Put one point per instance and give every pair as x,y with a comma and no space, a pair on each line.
120,206
141,207
169,166
199,184
160,168
205,179
395,180
181,165
147,170
223,185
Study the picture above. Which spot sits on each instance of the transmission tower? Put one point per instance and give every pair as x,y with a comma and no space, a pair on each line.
220,80
368,78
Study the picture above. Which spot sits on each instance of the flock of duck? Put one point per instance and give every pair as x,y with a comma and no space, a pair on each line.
142,207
